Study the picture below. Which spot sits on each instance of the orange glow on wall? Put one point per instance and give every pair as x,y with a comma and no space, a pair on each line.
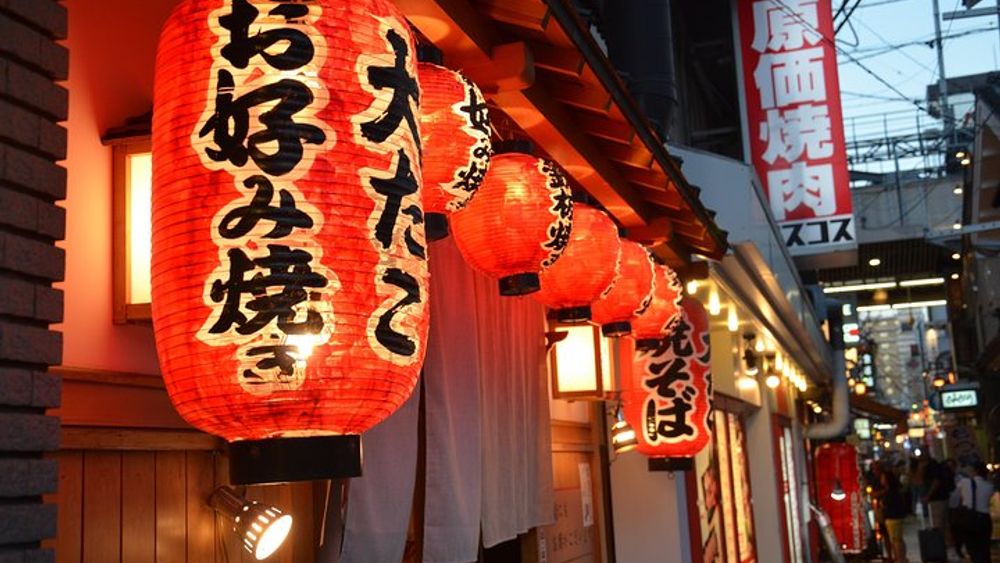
631,294
519,222
289,278
587,268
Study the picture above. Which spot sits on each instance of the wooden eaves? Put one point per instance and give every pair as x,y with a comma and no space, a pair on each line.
537,62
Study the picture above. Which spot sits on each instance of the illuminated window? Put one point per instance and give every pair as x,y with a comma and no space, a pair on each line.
133,176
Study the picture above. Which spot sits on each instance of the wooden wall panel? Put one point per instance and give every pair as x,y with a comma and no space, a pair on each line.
150,506
139,507
102,502
171,507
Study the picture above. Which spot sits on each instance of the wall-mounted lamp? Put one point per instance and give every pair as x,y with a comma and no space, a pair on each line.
714,305
261,528
623,438
733,320
581,363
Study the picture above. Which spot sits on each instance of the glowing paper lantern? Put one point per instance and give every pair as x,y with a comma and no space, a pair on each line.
519,222
289,279
631,294
668,396
455,131
587,268
663,313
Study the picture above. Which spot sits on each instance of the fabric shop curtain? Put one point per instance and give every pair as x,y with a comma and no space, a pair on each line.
488,465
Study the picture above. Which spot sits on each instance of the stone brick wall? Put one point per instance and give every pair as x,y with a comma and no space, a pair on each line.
32,142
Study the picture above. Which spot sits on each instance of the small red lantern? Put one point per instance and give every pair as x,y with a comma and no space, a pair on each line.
668,398
631,294
289,278
838,491
664,310
519,222
455,131
587,268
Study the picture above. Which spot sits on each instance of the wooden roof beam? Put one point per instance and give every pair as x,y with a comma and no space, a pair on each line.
471,43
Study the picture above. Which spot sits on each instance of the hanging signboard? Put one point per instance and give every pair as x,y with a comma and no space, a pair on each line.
794,121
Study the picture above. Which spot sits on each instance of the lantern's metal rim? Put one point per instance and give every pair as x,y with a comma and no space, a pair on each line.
647,344
519,284
283,460
671,464
573,314
436,226
616,329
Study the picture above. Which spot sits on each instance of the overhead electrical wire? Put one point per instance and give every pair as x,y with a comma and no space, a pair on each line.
902,97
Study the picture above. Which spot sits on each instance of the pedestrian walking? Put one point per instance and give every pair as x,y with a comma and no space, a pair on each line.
956,512
975,494
940,483
894,510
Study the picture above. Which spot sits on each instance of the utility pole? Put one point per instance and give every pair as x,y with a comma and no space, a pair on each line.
949,119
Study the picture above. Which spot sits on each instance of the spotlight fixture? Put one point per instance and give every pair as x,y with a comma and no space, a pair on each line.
692,287
874,262
939,381
956,256
714,305
965,161
772,381
954,276
261,528
957,226
751,359
960,154
957,190
623,437
837,493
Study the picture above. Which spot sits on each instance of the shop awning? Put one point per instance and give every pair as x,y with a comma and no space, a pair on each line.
538,63
877,410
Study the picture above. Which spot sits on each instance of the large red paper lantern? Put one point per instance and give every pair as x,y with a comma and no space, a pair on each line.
631,294
663,313
668,396
289,278
519,222
838,492
587,268
455,131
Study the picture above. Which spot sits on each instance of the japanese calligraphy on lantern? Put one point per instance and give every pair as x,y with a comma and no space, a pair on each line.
794,118
267,293
668,400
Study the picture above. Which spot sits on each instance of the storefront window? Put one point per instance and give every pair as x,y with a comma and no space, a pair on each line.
789,490
726,523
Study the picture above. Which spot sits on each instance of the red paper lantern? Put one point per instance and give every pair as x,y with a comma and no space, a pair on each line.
668,396
455,131
289,278
631,294
664,311
837,467
519,222
587,268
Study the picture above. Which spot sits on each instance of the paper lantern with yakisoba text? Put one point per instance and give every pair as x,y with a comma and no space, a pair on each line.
663,313
631,294
667,395
587,269
455,131
289,278
519,222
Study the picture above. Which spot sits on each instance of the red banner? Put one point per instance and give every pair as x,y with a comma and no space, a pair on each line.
795,121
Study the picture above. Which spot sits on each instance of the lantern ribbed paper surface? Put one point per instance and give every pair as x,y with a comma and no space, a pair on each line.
587,268
455,130
289,279
664,310
519,222
667,398
631,294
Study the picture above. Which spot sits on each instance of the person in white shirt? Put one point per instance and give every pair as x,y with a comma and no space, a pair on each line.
954,503
975,494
